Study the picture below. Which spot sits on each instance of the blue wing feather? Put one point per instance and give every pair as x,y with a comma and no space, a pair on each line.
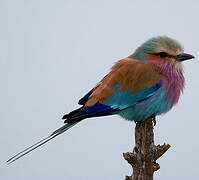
97,109
125,99
83,100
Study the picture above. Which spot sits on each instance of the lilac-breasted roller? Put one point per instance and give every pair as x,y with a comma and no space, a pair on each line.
146,83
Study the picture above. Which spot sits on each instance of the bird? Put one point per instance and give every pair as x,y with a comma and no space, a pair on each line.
147,83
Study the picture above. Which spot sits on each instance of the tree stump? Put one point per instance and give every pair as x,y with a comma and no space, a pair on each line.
145,153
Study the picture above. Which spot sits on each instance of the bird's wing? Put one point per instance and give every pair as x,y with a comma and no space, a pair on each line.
129,81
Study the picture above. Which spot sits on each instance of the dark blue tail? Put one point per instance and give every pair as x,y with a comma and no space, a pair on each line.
87,112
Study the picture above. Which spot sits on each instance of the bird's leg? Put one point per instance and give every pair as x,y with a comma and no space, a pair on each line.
153,119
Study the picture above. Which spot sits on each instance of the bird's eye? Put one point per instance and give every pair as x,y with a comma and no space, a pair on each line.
161,54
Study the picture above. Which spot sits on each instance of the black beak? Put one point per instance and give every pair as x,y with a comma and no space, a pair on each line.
183,57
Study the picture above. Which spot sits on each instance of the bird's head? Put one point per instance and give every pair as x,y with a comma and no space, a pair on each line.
161,48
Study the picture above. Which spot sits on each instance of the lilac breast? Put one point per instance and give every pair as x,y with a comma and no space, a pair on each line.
172,77
174,85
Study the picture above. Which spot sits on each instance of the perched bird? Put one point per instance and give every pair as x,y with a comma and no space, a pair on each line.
146,83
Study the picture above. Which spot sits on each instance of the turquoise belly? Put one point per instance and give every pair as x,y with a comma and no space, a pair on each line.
155,105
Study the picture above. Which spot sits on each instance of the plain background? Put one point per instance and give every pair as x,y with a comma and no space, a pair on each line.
54,51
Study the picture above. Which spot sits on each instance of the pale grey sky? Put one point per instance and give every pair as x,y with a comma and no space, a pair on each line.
53,51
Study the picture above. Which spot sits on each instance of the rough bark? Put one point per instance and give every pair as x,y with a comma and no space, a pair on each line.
145,153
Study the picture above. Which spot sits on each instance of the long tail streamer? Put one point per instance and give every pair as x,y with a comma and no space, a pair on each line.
40,143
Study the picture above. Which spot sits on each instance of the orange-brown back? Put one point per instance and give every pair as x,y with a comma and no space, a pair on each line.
129,73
